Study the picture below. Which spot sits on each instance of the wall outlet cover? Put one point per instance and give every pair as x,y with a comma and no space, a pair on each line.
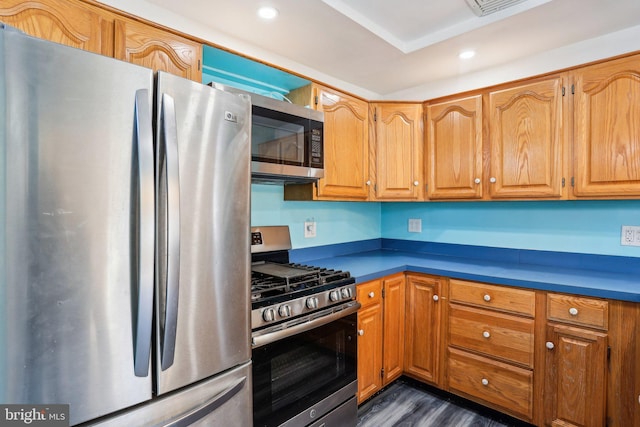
630,235
415,225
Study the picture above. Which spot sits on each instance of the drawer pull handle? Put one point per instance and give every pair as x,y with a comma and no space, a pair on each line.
486,334
477,180
573,311
361,332
487,297
371,294
485,382
550,345
436,297
416,183
492,180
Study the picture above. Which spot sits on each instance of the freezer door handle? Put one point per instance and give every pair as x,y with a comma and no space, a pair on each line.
146,210
170,138
209,406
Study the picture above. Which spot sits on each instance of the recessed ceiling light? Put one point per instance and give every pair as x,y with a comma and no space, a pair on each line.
467,54
267,12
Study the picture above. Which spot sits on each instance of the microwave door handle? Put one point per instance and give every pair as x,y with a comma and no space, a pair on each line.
170,140
146,212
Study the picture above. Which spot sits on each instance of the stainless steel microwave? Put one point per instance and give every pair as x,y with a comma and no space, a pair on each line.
287,143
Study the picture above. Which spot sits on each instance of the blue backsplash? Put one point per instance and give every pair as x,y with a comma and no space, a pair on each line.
591,227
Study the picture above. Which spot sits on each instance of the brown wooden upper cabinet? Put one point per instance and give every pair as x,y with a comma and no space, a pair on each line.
84,26
396,145
607,129
346,146
527,140
157,49
454,149
71,23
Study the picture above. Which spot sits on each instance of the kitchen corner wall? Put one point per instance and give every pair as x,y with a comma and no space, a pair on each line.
565,226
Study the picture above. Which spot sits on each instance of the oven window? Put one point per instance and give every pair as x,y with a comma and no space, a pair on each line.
277,137
295,373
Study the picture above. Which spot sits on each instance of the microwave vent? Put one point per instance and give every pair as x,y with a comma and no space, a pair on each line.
487,7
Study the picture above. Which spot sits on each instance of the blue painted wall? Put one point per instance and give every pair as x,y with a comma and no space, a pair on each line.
336,222
566,226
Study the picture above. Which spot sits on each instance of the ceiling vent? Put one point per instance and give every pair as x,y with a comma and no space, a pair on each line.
487,7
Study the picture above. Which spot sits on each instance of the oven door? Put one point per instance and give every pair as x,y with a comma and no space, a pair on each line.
301,378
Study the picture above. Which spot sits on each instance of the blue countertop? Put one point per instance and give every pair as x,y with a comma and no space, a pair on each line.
613,277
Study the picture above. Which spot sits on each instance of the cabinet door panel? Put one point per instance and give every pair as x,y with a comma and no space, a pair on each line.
527,136
607,129
422,330
454,149
346,146
398,151
67,22
393,332
369,351
576,377
159,50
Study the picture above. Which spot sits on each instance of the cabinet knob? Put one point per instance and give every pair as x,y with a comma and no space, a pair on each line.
368,182
361,332
477,180
549,345
485,382
573,311
486,334
436,297
492,180
416,183
487,297
371,294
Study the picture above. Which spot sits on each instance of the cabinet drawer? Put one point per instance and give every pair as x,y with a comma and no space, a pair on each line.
495,334
369,293
508,387
578,310
497,297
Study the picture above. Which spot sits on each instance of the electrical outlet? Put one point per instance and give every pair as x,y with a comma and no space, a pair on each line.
309,229
415,225
630,235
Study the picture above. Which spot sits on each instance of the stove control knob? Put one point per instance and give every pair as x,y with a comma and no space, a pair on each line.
346,293
312,303
284,311
334,296
269,315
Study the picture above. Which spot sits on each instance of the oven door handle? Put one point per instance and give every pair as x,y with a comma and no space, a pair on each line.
260,340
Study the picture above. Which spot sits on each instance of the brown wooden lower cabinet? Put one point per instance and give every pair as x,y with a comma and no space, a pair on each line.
549,359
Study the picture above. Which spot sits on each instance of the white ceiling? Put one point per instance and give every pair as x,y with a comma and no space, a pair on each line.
389,46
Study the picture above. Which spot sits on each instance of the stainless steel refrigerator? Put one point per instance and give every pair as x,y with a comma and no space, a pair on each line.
124,225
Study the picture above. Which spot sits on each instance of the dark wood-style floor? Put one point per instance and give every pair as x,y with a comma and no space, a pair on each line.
406,403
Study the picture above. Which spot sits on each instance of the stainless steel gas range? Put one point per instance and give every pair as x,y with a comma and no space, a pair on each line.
304,344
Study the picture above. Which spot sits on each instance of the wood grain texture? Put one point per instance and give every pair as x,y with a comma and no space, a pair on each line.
370,321
423,328
498,335
397,151
503,298
576,371
153,48
607,129
393,328
67,22
454,149
500,385
590,312
526,133
346,146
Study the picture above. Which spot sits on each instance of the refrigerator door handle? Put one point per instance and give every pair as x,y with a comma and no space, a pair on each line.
209,406
170,133
146,209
